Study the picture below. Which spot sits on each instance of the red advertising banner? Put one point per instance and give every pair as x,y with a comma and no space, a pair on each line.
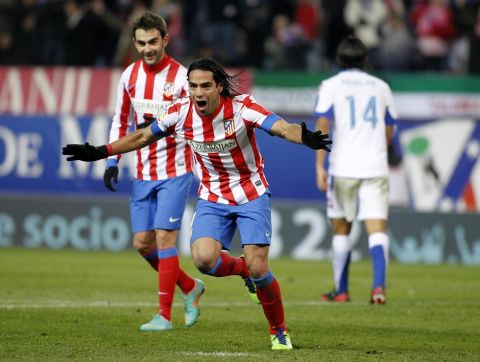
67,90
59,90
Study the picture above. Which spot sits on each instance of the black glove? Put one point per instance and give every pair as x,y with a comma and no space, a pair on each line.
315,140
84,152
111,173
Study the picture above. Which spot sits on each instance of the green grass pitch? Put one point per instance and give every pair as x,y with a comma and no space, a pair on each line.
65,305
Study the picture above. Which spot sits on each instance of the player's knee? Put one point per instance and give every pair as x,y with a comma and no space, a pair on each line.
375,226
140,246
203,261
142,242
341,226
205,254
165,238
258,267
256,258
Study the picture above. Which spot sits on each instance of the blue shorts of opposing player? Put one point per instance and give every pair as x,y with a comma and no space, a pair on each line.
218,221
159,204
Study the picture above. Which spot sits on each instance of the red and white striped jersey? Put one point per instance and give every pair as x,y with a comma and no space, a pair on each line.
227,159
144,91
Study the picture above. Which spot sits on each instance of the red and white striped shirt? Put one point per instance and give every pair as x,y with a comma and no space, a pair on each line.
227,159
144,91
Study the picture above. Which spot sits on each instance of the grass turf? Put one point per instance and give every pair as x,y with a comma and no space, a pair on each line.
70,305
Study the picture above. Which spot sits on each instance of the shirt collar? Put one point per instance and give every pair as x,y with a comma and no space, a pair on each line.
157,67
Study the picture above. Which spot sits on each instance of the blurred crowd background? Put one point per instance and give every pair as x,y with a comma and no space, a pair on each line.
401,35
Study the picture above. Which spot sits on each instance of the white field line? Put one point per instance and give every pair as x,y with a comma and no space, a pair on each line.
49,304
217,354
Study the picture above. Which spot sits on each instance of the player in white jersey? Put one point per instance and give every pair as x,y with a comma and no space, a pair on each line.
163,170
361,110
219,126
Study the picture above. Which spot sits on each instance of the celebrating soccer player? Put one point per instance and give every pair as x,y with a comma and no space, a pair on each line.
218,124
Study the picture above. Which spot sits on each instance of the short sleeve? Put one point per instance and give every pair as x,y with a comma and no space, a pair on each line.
324,102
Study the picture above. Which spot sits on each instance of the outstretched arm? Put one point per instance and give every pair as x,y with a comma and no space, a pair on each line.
132,141
300,134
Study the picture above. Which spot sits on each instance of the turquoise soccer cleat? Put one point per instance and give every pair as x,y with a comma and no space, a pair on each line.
157,324
281,341
192,309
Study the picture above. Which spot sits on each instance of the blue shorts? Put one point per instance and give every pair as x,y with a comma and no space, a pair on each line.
219,221
159,204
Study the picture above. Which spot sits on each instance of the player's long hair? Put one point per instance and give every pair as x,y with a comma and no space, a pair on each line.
352,53
220,76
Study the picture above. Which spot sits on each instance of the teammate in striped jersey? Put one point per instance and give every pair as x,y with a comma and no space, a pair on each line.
219,126
163,170
361,109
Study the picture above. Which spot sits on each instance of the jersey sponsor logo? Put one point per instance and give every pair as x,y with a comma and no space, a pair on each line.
211,147
229,126
168,89
149,106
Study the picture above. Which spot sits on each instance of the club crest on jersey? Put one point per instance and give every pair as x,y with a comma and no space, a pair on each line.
168,89
229,126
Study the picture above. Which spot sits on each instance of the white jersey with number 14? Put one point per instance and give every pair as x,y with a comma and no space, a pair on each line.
360,106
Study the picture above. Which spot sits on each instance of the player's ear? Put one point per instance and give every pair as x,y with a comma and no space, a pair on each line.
134,39
165,40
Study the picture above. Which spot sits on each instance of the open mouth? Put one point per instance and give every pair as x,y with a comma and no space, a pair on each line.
201,104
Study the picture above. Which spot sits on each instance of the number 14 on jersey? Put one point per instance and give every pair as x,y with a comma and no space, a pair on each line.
369,113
